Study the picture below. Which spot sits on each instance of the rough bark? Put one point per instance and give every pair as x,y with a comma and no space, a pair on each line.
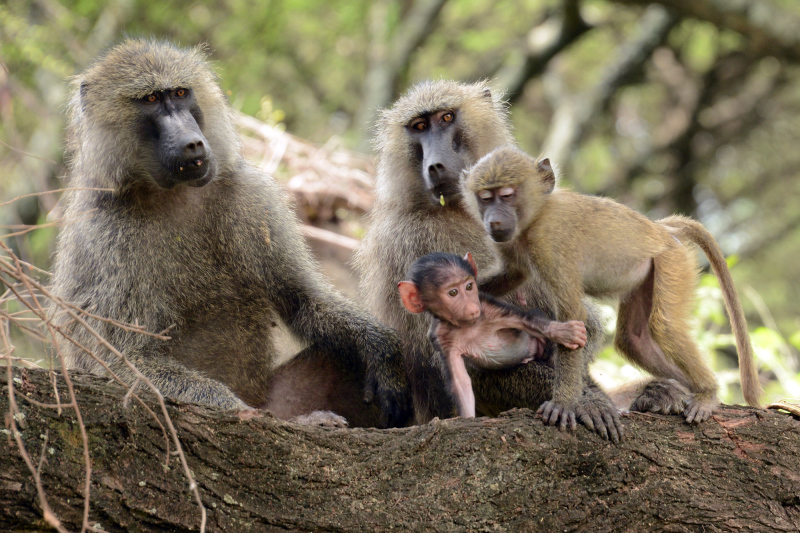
739,471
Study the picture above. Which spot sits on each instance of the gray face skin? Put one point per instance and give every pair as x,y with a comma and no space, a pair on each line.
498,211
171,120
440,150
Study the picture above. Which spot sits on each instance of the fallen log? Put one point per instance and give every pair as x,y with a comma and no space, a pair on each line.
739,471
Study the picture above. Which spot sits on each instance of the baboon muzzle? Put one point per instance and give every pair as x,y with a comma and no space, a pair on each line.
184,152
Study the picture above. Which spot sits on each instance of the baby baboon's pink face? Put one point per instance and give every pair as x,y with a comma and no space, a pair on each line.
457,301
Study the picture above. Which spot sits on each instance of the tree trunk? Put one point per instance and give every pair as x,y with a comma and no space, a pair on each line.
739,471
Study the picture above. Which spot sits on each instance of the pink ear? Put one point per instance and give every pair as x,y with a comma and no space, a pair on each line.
468,258
412,299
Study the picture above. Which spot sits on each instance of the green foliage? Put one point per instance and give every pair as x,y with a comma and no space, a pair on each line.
773,355
707,126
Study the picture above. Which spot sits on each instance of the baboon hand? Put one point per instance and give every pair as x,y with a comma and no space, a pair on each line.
558,414
387,382
570,334
596,412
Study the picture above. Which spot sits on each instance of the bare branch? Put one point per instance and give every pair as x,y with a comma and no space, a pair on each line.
542,44
573,113
389,56
772,31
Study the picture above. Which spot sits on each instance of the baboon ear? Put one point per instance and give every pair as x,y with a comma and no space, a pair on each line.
412,299
468,258
547,174
487,93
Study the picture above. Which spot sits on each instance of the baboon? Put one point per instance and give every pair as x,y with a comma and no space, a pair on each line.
424,141
586,245
466,324
190,235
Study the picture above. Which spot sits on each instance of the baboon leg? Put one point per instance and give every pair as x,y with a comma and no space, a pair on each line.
427,375
502,389
315,382
653,333
673,299
634,339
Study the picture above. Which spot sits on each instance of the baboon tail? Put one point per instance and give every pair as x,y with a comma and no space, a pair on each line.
687,229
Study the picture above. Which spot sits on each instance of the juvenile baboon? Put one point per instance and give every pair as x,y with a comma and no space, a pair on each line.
193,236
424,141
585,245
466,324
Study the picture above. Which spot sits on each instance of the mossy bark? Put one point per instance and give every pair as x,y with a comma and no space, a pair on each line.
739,471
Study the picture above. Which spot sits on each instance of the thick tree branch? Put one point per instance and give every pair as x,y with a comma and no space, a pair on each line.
573,113
389,56
543,43
772,30
736,472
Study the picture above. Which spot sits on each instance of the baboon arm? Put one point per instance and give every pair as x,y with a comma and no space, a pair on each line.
314,311
568,363
175,380
502,283
461,385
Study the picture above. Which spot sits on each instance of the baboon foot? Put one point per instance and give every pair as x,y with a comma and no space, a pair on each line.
699,408
665,396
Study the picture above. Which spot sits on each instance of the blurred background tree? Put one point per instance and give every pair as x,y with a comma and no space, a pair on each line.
670,106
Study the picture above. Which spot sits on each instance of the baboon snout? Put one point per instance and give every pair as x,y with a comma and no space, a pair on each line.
436,172
194,148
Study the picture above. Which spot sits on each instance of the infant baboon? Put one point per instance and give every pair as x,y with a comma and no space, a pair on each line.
585,245
193,236
424,142
493,334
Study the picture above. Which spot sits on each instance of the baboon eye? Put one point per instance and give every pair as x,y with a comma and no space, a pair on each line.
453,292
507,192
469,286
419,125
180,93
448,117
152,97
485,196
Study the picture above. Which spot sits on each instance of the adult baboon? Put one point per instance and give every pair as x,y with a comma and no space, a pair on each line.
190,235
424,141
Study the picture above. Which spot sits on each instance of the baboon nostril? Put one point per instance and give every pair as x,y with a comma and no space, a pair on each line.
436,170
194,149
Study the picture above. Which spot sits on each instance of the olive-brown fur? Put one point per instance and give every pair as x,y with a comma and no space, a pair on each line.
406,224
224,264
582,245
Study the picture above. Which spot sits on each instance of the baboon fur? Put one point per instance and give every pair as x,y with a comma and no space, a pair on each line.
405,224
223,264
583,245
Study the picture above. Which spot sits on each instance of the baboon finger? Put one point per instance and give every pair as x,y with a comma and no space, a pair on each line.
614,428
587,420
691,413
